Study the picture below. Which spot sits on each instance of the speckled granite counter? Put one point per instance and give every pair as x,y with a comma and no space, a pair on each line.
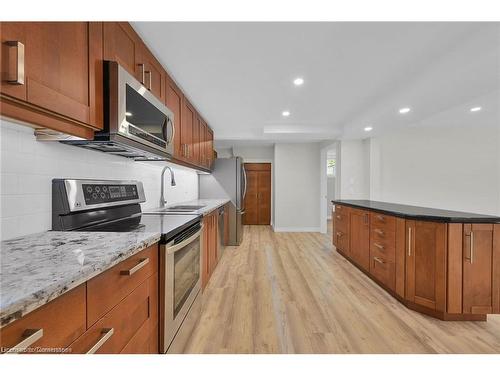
36,269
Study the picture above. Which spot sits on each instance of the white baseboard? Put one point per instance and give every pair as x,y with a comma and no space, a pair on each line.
296,229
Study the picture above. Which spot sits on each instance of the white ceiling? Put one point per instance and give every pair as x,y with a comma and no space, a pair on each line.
239,75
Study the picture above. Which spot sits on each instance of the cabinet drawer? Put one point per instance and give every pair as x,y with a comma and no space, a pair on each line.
125,320
383,270
382,223
61,321
107,289
384,248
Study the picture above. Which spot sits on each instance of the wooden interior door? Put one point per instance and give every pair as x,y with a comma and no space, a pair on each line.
426,264
360,237
258,195
477,269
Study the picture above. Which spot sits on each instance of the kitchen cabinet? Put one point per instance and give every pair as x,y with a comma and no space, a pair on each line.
359,237
426,264
121,44
196,140
204,161
383,249
52,75
114,312
174,101
209,147
258,194
188,122
54,325
210,246
478,268
341,229
151,73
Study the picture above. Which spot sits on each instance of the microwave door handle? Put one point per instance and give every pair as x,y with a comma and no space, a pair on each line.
169,120
164,129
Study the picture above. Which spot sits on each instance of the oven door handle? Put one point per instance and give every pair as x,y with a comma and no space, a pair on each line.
170,248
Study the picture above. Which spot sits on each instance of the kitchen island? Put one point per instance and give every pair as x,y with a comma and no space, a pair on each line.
439,262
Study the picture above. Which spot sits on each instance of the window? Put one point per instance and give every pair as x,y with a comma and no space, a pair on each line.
330,167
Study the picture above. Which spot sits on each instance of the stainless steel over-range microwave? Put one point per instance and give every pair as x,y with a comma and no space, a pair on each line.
136,124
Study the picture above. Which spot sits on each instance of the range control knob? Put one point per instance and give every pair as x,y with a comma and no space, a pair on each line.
89,189
94,196
97,189
103,195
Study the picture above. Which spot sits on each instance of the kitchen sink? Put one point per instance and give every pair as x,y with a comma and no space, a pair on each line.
175,209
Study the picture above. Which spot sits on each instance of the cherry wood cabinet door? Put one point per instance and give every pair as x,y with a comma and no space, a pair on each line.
196,140
188,121
62,67
341,224
360,237
121,44
173,100
477,269
426,264
210,147
13,36
203,144
151,73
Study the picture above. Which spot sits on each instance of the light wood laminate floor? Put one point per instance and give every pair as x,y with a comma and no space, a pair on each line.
293,293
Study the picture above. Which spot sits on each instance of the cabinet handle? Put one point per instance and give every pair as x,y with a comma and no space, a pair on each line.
378,260
378,245
137,267
149,75
471,239
30,337
19,62
339,234
106,333
143,73
379,232
409,241
339,217
380,217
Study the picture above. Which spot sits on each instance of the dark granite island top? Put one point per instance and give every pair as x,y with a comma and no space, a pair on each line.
418,213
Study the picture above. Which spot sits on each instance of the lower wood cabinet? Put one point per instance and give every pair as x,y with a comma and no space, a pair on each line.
53,326
359,237
115,312
426,264
210,256
478,268
447,270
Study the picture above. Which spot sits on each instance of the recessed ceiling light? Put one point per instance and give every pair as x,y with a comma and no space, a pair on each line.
285,113
475,109
128,113
298,81
404,110
368,128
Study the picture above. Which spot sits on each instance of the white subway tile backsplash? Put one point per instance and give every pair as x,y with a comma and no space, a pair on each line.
28,167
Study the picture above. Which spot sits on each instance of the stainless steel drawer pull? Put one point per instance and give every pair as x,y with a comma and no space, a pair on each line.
339,217
409,241
380,217
30,337
150,75
471,255
143,73
137,267
106,333
378,260
19,80
339,234
380,232
378,245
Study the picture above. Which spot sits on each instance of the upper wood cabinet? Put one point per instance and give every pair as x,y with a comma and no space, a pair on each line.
426,249
121,44
55,67
174,101
187,124
151,73
196,140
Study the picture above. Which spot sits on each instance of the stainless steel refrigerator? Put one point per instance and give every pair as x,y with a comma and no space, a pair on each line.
228,180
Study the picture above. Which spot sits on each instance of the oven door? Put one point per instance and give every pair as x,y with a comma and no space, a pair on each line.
181,275
137,114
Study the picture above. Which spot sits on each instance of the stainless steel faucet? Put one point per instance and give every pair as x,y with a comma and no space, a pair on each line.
163,202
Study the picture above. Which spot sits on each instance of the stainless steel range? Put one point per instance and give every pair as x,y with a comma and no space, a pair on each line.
114,206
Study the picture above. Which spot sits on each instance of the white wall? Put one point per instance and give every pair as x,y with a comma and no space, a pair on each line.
353,169
255,154
450,167
28,166
297,187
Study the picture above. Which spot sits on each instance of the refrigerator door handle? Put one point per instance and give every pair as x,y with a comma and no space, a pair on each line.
245,178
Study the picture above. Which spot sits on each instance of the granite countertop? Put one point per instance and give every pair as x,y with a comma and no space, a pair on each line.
419,213
37,268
